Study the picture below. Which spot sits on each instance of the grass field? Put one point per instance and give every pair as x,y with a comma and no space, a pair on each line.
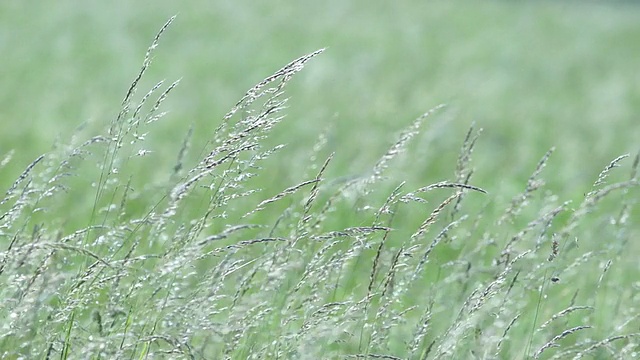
421,181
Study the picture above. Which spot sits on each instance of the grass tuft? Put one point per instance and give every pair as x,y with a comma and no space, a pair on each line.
203,259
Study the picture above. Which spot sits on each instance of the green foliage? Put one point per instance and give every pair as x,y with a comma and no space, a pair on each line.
129,240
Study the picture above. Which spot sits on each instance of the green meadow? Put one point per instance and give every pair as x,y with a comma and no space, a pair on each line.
320,180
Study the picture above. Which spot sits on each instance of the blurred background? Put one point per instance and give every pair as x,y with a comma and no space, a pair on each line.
532,75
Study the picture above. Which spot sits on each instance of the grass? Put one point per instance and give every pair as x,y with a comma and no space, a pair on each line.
130,241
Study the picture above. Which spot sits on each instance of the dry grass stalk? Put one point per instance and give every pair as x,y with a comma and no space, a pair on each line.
553,342
604,173
533,184
282,194
605,342
562,314
399,146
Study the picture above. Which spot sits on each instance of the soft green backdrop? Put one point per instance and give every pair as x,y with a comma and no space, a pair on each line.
533,75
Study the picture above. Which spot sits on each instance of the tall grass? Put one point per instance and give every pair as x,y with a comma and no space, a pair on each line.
101,260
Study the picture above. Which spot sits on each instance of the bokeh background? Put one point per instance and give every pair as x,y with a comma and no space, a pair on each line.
532,74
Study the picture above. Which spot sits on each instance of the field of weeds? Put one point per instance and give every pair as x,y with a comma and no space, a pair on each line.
337,180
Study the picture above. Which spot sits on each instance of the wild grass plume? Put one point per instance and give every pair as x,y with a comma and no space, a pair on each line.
102,260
